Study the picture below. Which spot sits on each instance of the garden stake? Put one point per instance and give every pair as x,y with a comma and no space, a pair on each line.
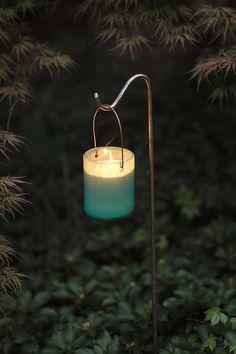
111,107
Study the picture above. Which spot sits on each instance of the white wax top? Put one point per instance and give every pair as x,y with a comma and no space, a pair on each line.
105,162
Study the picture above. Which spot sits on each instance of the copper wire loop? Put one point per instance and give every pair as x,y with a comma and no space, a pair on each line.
120,128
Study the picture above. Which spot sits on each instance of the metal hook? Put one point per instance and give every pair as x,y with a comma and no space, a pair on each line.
121,133
107,107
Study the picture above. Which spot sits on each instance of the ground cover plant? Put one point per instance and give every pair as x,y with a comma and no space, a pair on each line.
87,288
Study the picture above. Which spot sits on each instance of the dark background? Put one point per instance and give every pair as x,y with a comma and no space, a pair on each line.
194,167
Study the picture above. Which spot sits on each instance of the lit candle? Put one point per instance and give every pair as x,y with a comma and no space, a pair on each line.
108,188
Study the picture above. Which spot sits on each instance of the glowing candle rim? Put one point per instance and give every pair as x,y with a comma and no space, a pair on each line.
88,153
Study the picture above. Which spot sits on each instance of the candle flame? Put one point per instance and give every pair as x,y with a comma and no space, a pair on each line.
108,154
110,157
105,151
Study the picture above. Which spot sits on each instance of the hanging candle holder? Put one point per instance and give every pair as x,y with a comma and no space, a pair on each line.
109,183
108,178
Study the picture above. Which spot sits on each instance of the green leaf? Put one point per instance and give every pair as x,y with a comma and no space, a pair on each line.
113,346
210,343
215,319
232,322
218,20
23,48
48,312
58,341
215,316
232,348
104,339
49,59
106,344
7,15
170,302
41,298
163,242
189,205
70,334
230,336
223,318
98,350
109,301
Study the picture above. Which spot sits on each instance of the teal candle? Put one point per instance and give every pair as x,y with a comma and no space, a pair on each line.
108,189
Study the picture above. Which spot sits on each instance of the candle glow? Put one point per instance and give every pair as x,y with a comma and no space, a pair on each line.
108,189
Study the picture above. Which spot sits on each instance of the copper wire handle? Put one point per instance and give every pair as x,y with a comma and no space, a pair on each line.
121,133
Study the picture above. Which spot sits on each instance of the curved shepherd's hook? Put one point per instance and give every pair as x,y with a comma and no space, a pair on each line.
110,107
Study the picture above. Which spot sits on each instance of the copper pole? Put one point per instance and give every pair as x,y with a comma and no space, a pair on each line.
107,107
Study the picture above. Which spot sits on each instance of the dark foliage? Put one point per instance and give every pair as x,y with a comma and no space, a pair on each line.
88,285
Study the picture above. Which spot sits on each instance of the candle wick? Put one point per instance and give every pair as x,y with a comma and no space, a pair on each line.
110,141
